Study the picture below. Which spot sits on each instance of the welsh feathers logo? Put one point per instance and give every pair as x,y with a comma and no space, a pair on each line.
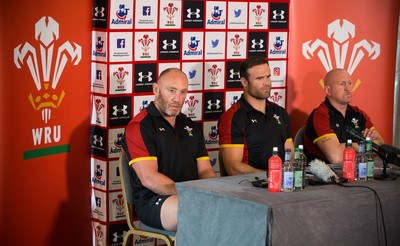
341,33
46,62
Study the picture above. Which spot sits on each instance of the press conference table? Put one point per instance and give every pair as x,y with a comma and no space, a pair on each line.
221,211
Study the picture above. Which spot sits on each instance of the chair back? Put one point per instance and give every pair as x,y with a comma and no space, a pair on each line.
222,170
128,193
299,138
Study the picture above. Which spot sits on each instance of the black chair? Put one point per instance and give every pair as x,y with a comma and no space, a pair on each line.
222,171
299,138
142,229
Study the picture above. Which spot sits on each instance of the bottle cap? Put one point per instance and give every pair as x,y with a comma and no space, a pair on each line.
275,149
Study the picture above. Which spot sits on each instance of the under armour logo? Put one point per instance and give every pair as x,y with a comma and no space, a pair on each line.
161,129
116,236
233,73
117,110
260,44
98,140
99,11
191,13
145,76
211,104
158,202
281,14
166,44
337,125
253,120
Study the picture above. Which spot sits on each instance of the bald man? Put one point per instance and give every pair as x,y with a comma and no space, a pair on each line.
164,147
325,134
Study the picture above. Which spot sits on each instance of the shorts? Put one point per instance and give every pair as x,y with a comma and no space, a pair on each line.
150,212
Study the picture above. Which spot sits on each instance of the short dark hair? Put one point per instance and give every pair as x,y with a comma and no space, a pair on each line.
250,62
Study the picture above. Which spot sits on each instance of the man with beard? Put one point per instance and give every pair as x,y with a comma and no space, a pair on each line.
163,146
250,129
325,135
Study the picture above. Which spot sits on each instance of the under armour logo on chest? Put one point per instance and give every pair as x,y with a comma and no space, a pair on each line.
253,121
161,129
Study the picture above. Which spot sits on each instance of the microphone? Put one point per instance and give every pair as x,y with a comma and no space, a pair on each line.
387,153
322,171
358,136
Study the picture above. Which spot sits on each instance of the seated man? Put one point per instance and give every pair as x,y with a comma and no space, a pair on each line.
325,135
253,126
164,147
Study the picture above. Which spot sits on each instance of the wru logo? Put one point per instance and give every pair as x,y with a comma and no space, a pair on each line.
341,32
46,33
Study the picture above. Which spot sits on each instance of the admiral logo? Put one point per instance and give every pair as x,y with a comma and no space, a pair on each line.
193,46
191,102
216,17
214,71
341,33
119,206
170,13
234,100
145,42
122,14
212,135
120,75
259,12
278,44
98,173
47,97
99,48
236,41
145,103
117,144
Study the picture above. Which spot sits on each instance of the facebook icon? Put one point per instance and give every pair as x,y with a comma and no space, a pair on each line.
146,10
121,43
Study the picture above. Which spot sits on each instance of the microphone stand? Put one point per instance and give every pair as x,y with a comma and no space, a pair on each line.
386,159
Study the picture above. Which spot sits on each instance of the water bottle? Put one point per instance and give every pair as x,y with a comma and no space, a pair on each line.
287,173
370,160
361,162
349,158
274,172
303,159
298,170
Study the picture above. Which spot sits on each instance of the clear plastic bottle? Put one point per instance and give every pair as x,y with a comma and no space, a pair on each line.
349,161
361,162
274,172
298,170
370,159
287,173
303,159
